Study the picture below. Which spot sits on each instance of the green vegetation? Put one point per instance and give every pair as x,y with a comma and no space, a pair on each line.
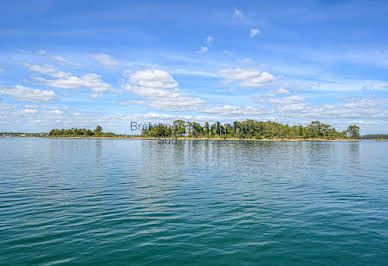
19,134
81,132
375,136
250,129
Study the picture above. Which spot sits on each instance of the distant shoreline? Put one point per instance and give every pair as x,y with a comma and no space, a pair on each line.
203,139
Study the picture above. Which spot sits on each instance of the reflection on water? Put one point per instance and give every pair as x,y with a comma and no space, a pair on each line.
208,202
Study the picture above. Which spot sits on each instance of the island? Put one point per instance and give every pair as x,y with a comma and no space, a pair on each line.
244,130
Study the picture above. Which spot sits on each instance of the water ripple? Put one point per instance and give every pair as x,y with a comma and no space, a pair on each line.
216,203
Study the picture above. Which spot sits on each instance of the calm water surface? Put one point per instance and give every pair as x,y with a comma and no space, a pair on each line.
212,203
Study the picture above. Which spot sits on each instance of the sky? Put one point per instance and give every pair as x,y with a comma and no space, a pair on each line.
67,64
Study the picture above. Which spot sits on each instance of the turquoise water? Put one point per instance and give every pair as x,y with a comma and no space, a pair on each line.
210,203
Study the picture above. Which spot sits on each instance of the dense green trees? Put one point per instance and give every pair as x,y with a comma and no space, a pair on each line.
353,131
75,132
249,129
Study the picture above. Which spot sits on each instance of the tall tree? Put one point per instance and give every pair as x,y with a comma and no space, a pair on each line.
98,130
353,131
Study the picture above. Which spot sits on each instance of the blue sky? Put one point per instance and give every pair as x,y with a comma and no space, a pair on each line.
81,63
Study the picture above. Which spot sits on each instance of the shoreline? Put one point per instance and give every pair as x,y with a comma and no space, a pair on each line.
206,139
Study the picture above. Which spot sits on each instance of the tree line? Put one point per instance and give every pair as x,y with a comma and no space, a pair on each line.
249,129
75,132
375,136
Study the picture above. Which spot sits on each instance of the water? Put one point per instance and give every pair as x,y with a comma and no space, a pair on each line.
211,203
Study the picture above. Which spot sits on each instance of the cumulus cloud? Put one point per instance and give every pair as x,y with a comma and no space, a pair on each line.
258,81
106,60
253,32
28,94
160,90
246,77
92,81
153,78
69,81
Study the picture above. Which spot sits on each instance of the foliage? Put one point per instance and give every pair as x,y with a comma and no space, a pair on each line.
375,136
76,132
353,132
250,129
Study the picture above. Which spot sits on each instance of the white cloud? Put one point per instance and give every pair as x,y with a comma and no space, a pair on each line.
45,69
69,81
128,102
282,91
92,81
253,32
30,111
58,58
208,43
63,60
365,109
233,74
361,103
246,77
28,94
203,50
229,110
293,107
56,112
160,91
258,81
287,100
106,60
176,102
96,95
237,13
210,40
153,78
338,85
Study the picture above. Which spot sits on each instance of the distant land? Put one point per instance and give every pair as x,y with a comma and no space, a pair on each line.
245,130
375,136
